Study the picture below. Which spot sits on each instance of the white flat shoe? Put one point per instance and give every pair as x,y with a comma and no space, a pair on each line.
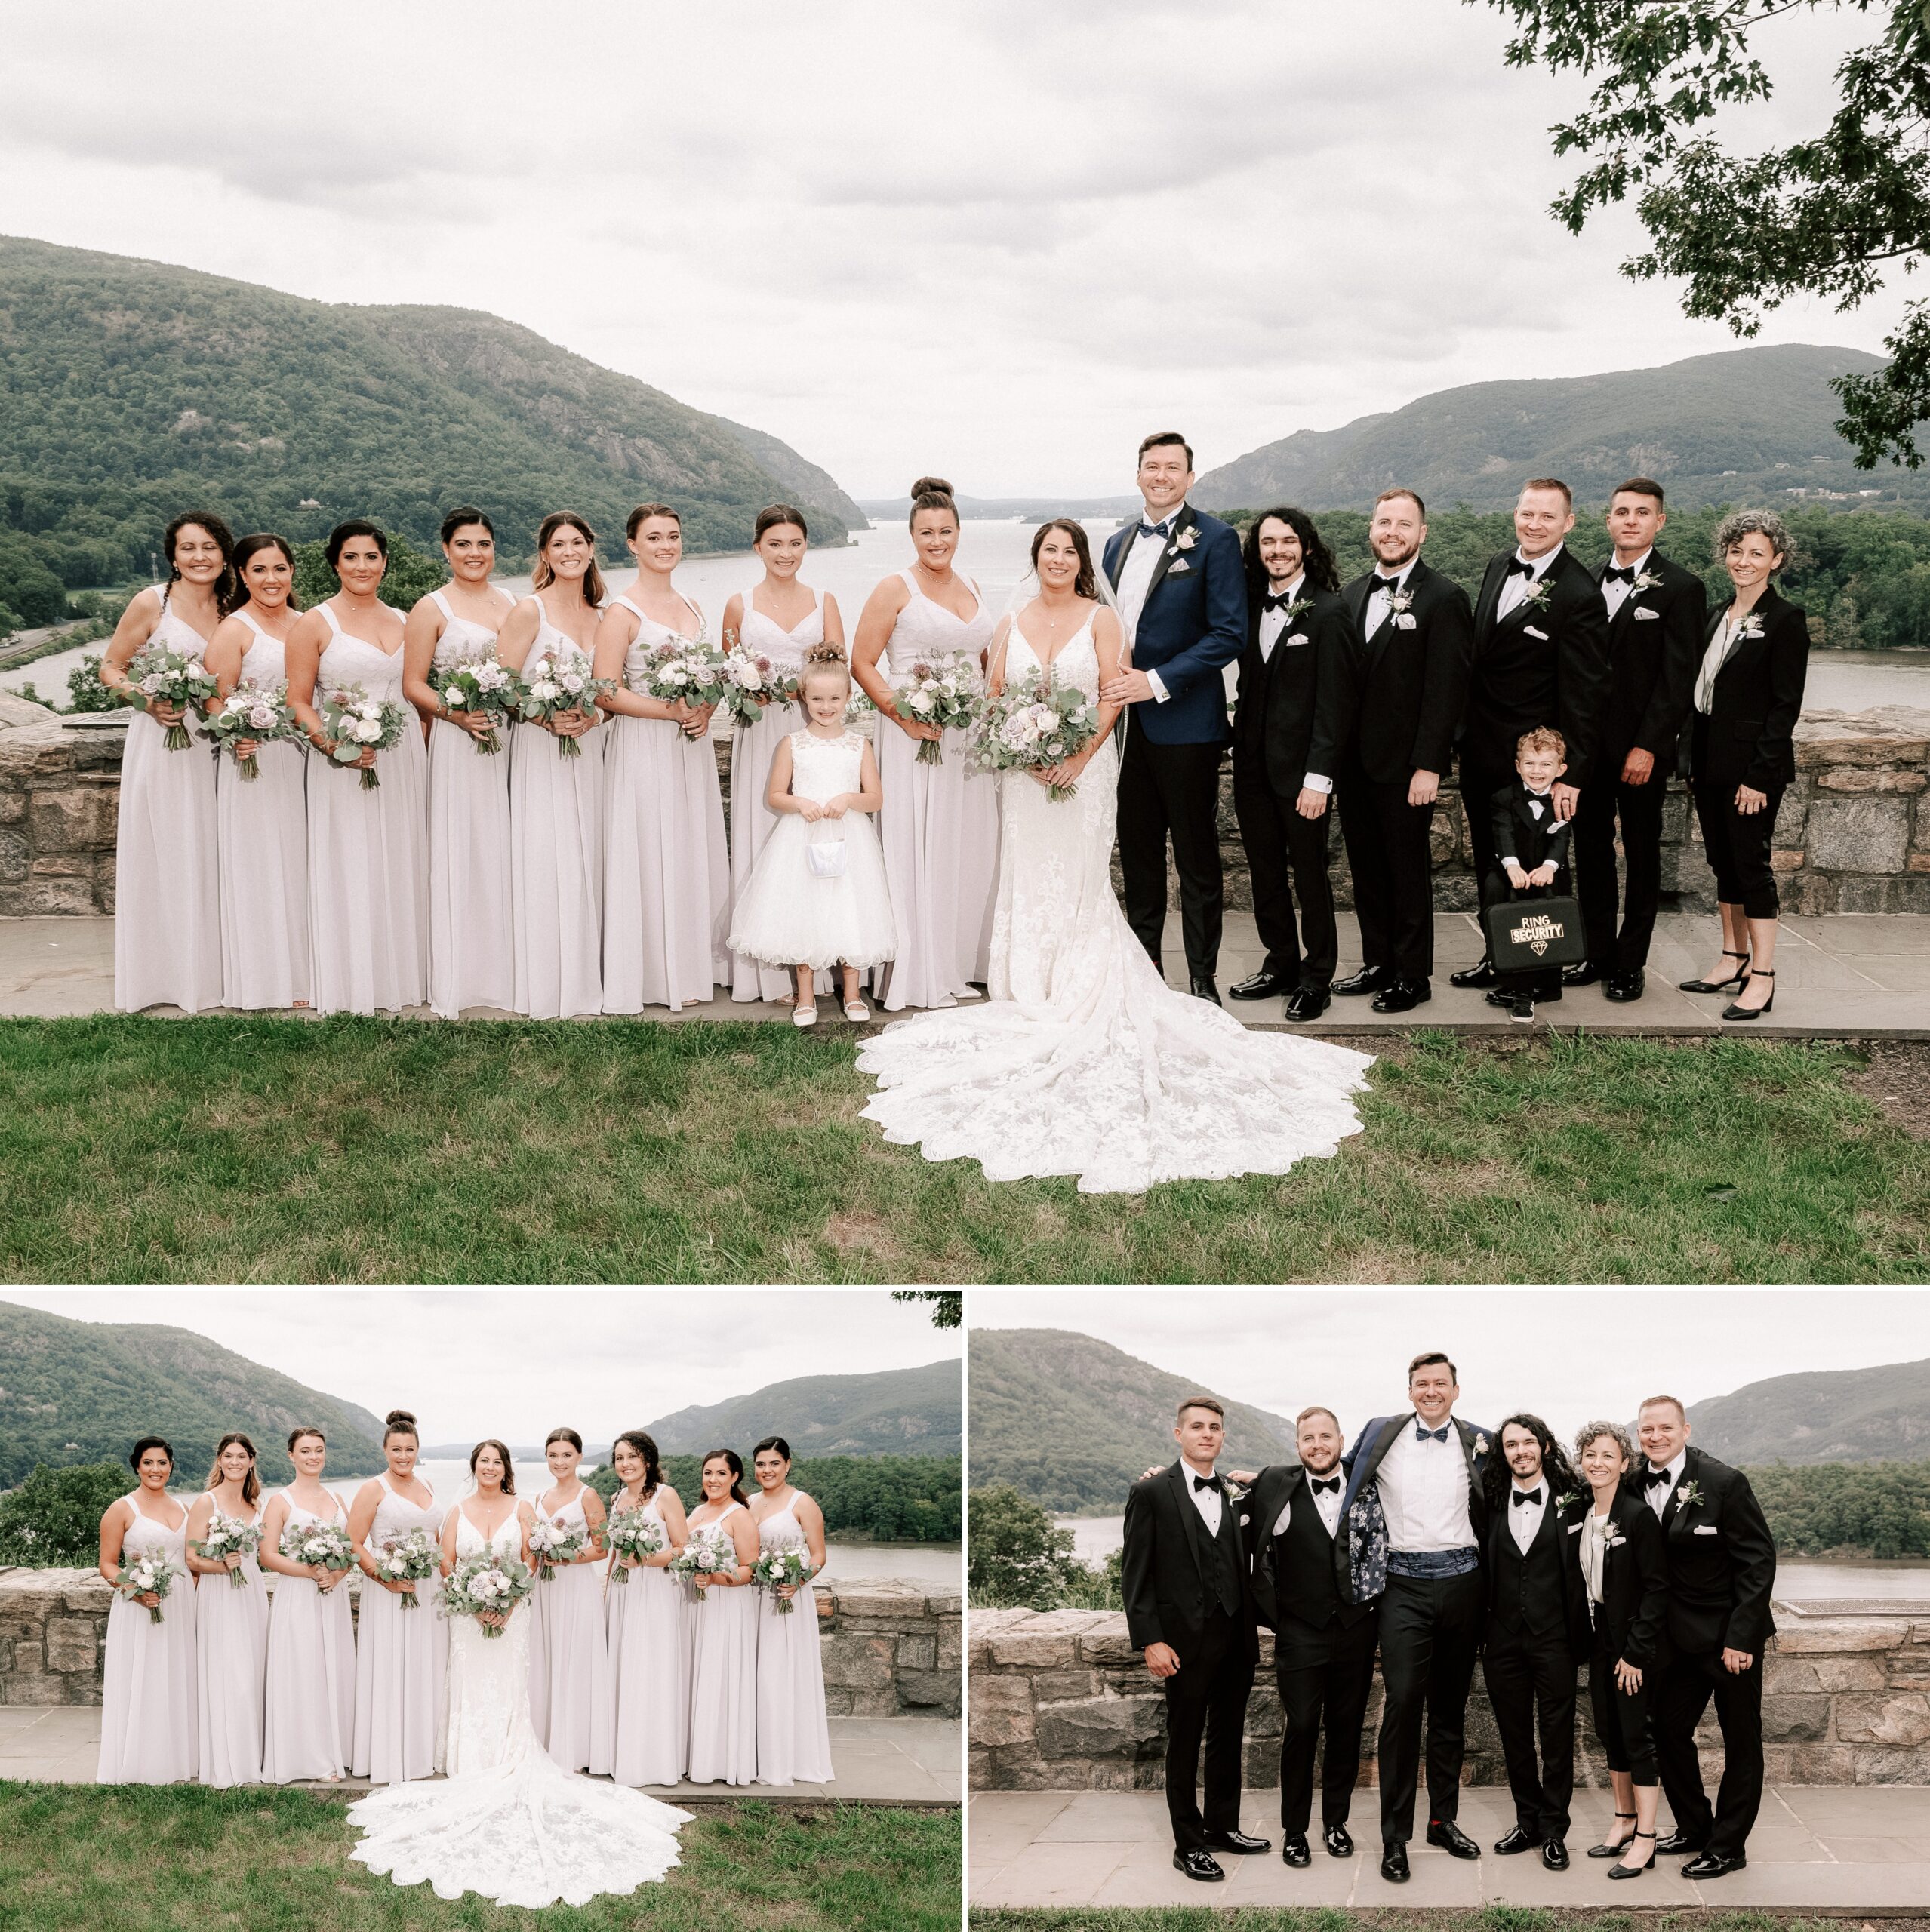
804,1016
856,1012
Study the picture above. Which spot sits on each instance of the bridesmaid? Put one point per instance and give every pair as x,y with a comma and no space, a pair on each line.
723,1691
470,962
262,823
940,824
367,859
666,882
309,1731
149,1728
231,1624
569,1655
648,1631
166,889
780,619
793,1735
556,803
400,1651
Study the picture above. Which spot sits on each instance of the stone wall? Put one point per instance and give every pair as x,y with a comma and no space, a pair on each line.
889,1649
59,786
1060,1701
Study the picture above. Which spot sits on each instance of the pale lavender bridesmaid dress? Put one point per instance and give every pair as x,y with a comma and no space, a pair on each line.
231,1632
309,1730
648,1626
569,1660
150,1723
402,1657
793,1733
723,1691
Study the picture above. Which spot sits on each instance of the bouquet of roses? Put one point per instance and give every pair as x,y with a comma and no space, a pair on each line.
251,710
149,1575
411,1557
356,723
484,1585
482,685
321,1546
1034,724
708,1551
228,1536
174,677
553,1546
948,697
633,1533
558,682
681,671
776,1567
752,681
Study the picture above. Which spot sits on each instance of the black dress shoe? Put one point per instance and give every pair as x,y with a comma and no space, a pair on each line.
1206,990
1625,986
1338,1844
1451,1839
1393,1862
1199,1863
1262,985
1402,996
1520,1839
1294,1852
1678,1842
1555,1855
1481,974
1586,974
1240,1841
1368,979
1309,1003
1713,1864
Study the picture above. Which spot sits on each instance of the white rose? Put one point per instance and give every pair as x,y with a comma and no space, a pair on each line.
543,690
572,681
262,717
368,730
152,682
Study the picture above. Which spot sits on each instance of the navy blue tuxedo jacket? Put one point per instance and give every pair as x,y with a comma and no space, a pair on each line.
1366,1526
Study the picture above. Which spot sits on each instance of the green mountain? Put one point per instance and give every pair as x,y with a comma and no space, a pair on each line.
1746,423
1073,1422
896,1411
84,1391
133,389
1843,1415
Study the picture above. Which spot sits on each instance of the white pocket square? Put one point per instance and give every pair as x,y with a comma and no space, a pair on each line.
1574,1529
1176,565
1294,637
1645,616
1705,1530
1405,622
1533,632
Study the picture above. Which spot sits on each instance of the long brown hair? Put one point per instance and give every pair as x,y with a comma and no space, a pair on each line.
501,1449
251,1482
542,576
227,586
645,1443
1085,584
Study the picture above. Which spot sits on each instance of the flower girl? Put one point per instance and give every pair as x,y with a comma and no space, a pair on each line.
817,897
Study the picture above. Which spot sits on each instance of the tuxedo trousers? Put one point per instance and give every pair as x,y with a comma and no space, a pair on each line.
1682,1691
1430,1631
1624,1720
1480,780
1286,857
1206,1699
1392,866
1531,1686
1325,1676
1638,808
1171,793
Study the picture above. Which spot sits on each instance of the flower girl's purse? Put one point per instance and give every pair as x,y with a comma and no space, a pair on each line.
827,857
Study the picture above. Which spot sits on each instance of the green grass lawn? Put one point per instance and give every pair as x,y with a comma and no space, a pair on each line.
75,1858
219,1150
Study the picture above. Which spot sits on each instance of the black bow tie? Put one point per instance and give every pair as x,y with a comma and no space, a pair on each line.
1422,1432
1331,1484
1389,584
1207,1482
1526,1496
1661,1476
1619,573
1519,567
1277,600
1151,529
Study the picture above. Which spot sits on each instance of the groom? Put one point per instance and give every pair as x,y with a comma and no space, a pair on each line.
1182,592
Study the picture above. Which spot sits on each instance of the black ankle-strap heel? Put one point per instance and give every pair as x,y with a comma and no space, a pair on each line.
1614,1851
1734,982
1636,1871
1733,1011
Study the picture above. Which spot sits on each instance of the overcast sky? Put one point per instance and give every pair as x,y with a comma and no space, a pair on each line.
998,240
473,1362
1570,1355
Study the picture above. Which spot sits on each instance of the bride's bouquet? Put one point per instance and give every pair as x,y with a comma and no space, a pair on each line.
229,1536
149,1575
752,681
948,698
552,1546
486,1586
411,1557
775,1568
708,1551
633,1533
251,710
174,677
1032,724
557,682
320,1545
356,723
482,685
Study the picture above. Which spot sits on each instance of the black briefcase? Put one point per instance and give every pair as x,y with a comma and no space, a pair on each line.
1526,935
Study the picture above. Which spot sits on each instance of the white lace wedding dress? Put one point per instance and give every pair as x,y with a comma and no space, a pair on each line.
1084,1061
508,1823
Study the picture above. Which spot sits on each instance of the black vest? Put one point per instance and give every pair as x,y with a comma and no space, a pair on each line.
1219,1556
1304,1586
1527,1591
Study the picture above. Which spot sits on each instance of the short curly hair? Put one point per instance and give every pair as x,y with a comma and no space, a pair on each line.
1590,1432
1739,524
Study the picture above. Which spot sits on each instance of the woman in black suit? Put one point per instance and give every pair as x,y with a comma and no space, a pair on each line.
1742,753
1621,1604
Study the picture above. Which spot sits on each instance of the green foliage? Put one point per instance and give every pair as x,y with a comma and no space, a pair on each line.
53,1520
411,575
1875,1509
947,1306
1015,1558
85,691
894,1499
33,593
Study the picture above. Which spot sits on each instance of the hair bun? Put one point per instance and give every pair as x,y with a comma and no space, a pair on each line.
399,1418
931,486
825,653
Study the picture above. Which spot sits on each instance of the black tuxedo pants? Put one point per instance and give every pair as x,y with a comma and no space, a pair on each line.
1392,866
1624,1719
1639,809
1325,1676
1739,846
1206,1698
1531,1686
1480,780
1171,793
1682,1692
1430,1630
1286,856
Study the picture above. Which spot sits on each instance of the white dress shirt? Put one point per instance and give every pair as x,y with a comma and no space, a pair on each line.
1524,1519
1515,586
1595,1556
1327,1501
1616,594
1658,1499
1272,623
1715,657
1424,1491
1375,614
1136,577
1208,1502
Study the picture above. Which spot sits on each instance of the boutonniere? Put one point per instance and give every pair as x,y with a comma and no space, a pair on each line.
1535,597
1689,1493
1184,539
1233,1492
1612,1537
1750,628
1562,1501
1648,580
1294,610
1481,1445
1399,602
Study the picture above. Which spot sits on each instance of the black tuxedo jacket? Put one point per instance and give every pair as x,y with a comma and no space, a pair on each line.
1634,1610
1748,738
1500,1557
1545,664
1277,1486
1655,640
1516,829
1402,689
1721,1559
1285,719
1167,1593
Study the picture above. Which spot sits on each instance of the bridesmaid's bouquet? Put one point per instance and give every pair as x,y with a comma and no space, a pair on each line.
633,1533
320,1545
752,681
1034,724
174,677
680,671
708,1551
557,683
483,685
553,1547
356,723
411,1557
228,1536
948,698
486,1586
151,1575
774,1568
251,710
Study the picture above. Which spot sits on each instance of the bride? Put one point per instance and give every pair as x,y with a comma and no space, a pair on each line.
1084,1061
507,1823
